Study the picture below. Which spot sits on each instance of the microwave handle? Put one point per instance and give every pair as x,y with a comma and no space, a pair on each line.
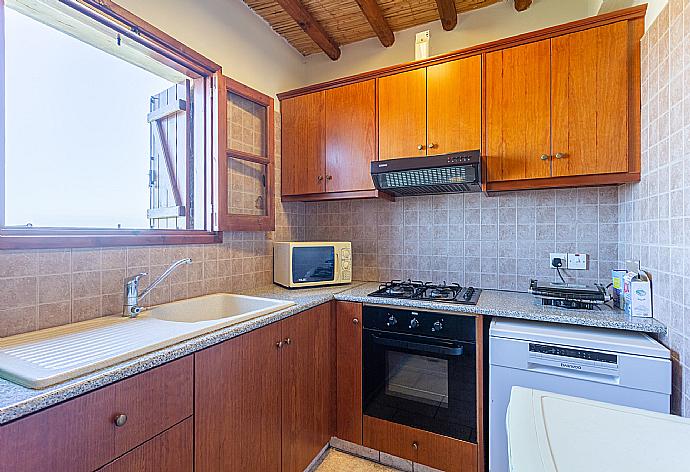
422,347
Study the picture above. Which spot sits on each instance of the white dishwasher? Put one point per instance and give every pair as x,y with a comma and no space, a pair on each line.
620,367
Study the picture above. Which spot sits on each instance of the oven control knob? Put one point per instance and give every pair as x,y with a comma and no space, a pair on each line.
438,326
414,323
391,321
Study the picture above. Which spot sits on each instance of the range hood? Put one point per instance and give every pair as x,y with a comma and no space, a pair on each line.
448,173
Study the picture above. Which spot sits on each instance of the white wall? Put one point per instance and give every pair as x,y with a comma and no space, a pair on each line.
487,24
654,7
230,34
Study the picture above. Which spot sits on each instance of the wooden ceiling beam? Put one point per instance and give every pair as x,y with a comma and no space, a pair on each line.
313,28
374,15
447,13
522,5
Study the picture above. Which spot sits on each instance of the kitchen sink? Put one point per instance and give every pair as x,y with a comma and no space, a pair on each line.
49,356
218,307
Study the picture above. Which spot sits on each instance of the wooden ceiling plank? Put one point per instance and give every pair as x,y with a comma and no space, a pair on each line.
374,15
313,28
522,5
447,13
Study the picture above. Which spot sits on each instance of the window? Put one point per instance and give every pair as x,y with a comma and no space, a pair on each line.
107,127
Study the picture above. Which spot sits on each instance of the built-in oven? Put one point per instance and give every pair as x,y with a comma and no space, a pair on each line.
420,370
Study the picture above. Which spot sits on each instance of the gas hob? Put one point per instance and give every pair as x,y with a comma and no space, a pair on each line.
416,290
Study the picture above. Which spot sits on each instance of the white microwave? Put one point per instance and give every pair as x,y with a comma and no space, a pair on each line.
310,264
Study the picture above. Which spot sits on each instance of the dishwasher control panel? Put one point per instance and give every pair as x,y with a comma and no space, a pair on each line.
571,358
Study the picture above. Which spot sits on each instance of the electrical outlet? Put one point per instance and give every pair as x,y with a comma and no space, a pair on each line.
577,261
558,255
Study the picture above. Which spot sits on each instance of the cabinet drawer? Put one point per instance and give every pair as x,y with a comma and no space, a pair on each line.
170,451
153,402
433,450
76,435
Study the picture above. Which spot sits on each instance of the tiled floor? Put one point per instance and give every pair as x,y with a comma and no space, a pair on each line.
336,461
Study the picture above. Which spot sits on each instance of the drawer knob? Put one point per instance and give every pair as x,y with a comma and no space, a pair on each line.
120,420
432,145
355,321
544,157
319,178
329,177
415,445
420,146
560,155
279,344
288,341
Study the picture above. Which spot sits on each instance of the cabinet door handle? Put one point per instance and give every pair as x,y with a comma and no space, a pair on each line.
120,420
420,146
319,178
431,145
288,341
355,321
329,177
279,344
560,155
544,157
415,445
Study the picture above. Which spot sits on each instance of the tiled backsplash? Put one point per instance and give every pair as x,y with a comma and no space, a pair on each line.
491,242
44,288
655,213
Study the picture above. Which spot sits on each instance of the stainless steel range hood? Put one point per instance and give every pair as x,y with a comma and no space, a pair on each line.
448,173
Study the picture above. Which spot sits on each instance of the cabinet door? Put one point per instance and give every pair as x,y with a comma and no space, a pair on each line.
350,136
76,435
237,404
303,144
518,112
171,451
454,106
402,115
307,386
153,401
349,366
590,101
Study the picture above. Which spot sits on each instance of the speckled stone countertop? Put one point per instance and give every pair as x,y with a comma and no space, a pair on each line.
516,305
17,401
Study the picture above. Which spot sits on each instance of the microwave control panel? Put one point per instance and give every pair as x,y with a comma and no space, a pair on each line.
346,263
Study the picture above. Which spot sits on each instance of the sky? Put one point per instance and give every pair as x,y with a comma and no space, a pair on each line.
77,140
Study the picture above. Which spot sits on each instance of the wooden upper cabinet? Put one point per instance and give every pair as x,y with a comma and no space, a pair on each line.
454,106
350,136
402,115
518,126
590,101
304,144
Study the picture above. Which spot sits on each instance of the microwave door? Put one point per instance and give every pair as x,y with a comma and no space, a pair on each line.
313,264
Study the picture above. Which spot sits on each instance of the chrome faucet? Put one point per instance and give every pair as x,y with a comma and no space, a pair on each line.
131,307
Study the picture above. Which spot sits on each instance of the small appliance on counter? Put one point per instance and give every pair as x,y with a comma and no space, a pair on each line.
637,291
310,264
563,295
427,291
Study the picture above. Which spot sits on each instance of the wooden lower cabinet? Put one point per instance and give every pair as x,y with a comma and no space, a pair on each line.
264,400
349,368
170,451
433,450
237,403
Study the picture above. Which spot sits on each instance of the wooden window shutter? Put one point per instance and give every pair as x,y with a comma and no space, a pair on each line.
170,182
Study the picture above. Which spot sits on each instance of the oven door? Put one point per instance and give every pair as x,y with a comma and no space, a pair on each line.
421,382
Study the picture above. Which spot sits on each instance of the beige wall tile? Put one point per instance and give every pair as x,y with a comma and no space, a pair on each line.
17,292
54,288
18,264
56,261
54,314
18,320
86,309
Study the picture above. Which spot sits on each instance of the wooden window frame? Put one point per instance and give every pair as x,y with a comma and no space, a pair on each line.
230,221
167,50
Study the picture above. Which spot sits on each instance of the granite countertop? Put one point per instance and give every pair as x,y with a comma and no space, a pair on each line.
17,401
516,305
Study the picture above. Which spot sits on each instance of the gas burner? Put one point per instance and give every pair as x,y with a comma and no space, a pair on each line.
416,290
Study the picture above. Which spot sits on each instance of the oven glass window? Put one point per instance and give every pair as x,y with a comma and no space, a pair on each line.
418,378
313,264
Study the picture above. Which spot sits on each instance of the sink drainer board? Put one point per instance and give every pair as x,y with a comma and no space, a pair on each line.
46,357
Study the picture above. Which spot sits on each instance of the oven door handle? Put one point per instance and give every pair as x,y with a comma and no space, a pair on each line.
422,347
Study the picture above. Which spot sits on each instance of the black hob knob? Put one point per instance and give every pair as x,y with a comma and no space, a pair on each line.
438,326
392,321
414,323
